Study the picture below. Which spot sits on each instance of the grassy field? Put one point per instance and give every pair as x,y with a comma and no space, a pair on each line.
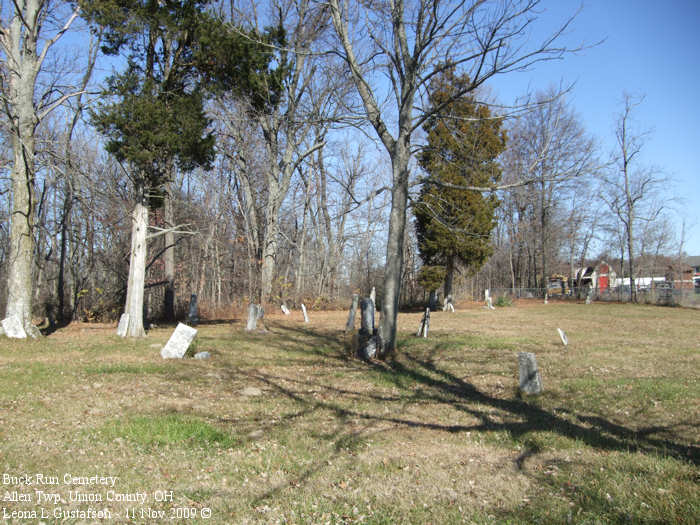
286,427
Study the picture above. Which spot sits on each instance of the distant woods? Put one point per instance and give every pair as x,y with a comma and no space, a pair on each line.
270,152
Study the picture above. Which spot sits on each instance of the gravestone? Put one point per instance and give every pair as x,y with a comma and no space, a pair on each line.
530,380
123,325
179,342
589,297
563,337
13,327
450,307
373,296
448,303
192,315
285,310
546,298
202,355
303,310
489,304
351,315
367,340
424,324
255,312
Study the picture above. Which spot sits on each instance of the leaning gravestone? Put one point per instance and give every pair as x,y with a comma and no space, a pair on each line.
285,310
179,342
13,328
123,325
424,324
351,315
530,380
303,310
192,317
563,337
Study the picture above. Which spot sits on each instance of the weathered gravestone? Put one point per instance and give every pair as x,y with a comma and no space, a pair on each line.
450,307
285,310
192,315
202,355
589,297
530,380
546,298
448,304
563,337
123,325
424,324
350,325
303,310
489,304
373,296
179,342
367,340
13,328
255,312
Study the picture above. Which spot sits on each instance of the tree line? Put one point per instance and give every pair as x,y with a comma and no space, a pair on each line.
289,151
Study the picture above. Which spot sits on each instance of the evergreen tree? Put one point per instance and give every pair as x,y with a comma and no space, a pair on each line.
154,118
463,142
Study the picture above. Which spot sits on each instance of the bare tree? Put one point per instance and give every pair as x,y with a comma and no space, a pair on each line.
629,190
25,44
410,42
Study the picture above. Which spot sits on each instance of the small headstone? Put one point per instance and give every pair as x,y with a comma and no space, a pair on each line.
202,355
285,310
448,304
546,298
589,297
373,296
562,336
489,304
530,380
351,315
251,391
13,327
123,325
451,307
303,310
424,324
192,315
179,342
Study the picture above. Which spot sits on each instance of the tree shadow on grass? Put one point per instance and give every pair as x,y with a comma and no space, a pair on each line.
441,386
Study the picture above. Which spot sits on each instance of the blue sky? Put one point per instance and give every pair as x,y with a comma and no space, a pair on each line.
650,48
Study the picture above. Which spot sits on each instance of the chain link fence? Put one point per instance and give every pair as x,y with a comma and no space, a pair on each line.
659,295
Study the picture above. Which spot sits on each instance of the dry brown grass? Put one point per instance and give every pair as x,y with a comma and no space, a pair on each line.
437,435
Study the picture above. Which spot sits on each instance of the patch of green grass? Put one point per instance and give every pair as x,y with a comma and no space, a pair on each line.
126,368
168,429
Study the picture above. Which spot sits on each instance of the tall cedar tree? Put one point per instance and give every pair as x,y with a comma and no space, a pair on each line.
155,119
463,143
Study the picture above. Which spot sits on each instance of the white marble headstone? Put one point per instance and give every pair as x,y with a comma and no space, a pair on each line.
285,309
13,327
179,342
562,336
303,310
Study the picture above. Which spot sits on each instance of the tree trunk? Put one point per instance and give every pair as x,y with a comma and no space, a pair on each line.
269,253
169,254
394,247
449,279
21,46
137,266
